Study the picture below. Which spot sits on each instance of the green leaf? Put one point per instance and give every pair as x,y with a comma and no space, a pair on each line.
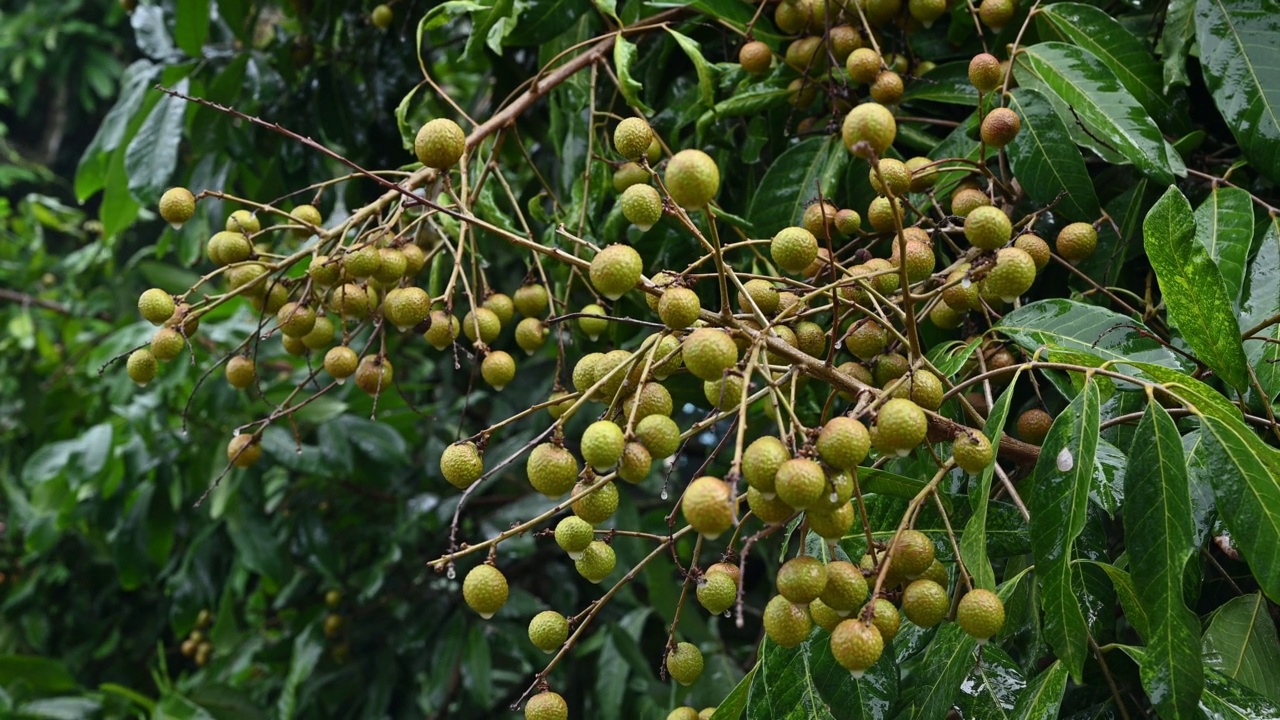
1224,225
43,676
735,702
1105,107
947,83
308,647
543,20
153,152
807,682
1240,56
440,15
1127,593
739,15
608,8
1228,699
1121,52
883,482
91,173
118,206
992,688
1043,697
624,53
1179,31
1075,326
1263,302
1160,537
1241,642
1192,288
1045,160
191,26
706,79
950,356
973,542
1246,484
1058,506
794,179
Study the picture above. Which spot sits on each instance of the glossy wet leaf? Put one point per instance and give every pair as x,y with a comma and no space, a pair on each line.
1048,165
1241,643
542,20
1058,505
1072,325
947,83
807,682
794,179
1107,490
973,542
624,54
949,357
1240,54
991,690
706,76
1126,593
1106,108
191,25
1175,41
1225,698
1043,697
1262,301
152,154
1160,538
1224,225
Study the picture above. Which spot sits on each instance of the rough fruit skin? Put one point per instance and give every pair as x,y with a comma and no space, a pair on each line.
142,366
444,329
1014,274
987,228
243,450
684,663
800,483
925,603
683,713
856,646
177,206
825,617
786,623
530,300
692,179
755,57
981,614
912,553
892,175
439,143
927,11
811,339
240,372
679,308
296,319
880,215
641,205
598,505
863,65
966,200
602,443
762,293
920,259
887,88
548,630
374,374
900,426
243,221
869,123
1000,127
866,339
793,249
923,388
350,301
546,706
481,325
659,434
1033,425
485,590
846,587
156,306
885,618
1076,242
972,451
341,362
615,270
717,592
391,266
708,353
1036,247
321,335
843,443
708,506
596,562
629,174
167,344
761,460
996,14
985,73
552,470
308,216
573,535
498,369
802,579
461,465
594,327
819,218
770,510
635,463
831,524
530,334
406,307
725,393
631,138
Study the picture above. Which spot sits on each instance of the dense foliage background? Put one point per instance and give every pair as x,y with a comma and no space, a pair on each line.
106,564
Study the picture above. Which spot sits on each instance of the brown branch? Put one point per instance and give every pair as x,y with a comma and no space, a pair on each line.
32,301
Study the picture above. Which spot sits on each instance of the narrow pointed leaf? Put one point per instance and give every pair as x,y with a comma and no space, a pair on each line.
191,26
152,154
1088,329
1192,288
1179,31
1127,594
1241,643
1240,55
624,53
1043,697
1263,302
1224,225
973,542
1223,698
1160,538
807,682
794,179
1047,163
706,77
1059,503
1106,108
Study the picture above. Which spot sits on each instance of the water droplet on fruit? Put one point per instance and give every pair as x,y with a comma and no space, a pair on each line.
966,283
1065,460
664,495
833,497
450,573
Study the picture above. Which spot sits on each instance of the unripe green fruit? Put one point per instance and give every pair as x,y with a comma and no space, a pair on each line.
761,461
641,205
925,603
531,333
811,339
985,73
844,40
241,275
880,214
308,216
391,266
922,388
936,572
361,262
831,523
574,535
631,138
382,17
793,249
243,221
679,307
414,259
900,426
552,470
755,57
893,175
846,587
981,614
594,327
683,713
531,301
848,222
142,366
498,369
987,227
927,11
548,630
659,434
966,200
856,646
1033,426
321,335
184,320
481,325
240,372
156,306
760,292
296,319
1000,127
461,464
837,492
887,88
825,617
923,174
962,293
806,55
596,562
912,553
177,206
995,14
556,410
944,318
167,344
819,219
725,393
598,505
843,443
439,143
869,123
770,510
635,462
612,381
717,592
244,450
863,65
684,663
800,483
708,353
662,280
692,179
615,270
1036,247
546,705
802,579
324,270
708,506
406,307
629,174
1013,274
341,363
885,618
920,258
444,329
889,367
791,16
585,372
866,339
1076,242
880,12
602,443
485,590
786,623
651,399
226,248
